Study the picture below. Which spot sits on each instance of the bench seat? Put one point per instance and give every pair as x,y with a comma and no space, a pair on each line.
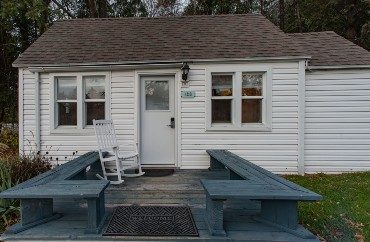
62,189
278,197
65,181
245,189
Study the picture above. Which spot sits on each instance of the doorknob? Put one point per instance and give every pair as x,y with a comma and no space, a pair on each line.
172,123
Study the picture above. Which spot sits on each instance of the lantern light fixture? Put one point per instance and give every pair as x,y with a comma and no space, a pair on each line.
185,71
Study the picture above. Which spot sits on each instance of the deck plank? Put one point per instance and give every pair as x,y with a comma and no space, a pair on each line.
183,187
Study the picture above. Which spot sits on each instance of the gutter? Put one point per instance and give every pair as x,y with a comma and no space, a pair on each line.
342,67
151,63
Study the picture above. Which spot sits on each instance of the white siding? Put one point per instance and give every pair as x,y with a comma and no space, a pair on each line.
29,120
62,146
276,150
337,127
337,121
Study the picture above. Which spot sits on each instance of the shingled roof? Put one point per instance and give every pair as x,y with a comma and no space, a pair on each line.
114,40
330,49
183,38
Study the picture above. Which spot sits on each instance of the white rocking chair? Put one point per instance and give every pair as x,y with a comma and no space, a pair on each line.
110,154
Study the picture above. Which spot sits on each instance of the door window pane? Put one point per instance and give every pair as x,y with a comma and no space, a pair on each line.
94,110
222,85
94,87
157,95
66,88
252,84
251,111
221,111
67,113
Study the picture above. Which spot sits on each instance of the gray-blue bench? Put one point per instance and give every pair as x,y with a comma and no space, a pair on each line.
278,197
65,181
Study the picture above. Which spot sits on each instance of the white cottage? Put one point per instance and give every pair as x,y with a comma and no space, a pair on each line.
291,103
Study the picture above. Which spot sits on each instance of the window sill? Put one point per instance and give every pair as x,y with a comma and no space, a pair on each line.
73,131
242,128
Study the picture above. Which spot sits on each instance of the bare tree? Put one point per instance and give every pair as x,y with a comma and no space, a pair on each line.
281,14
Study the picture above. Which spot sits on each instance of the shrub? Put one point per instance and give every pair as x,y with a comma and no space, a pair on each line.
14,170
10,138
9,208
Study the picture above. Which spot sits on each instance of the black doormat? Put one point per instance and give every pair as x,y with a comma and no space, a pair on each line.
149,220
158,172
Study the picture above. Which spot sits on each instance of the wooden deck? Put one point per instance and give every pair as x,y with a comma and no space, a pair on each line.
183,187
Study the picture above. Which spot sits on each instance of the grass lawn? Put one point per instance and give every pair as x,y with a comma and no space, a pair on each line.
344,214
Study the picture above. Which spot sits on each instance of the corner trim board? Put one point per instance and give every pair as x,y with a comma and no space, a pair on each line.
37,111
301,117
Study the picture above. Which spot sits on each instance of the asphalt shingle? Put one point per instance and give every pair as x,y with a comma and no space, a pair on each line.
204,37
330,49
159,39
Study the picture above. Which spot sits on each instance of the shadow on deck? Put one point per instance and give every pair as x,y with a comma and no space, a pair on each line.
183,187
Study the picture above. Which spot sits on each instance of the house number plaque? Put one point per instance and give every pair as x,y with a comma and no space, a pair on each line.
188,94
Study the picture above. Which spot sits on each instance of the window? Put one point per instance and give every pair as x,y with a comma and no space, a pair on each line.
222,96
78,99
252,97
94,98
157,95
239,101
67,100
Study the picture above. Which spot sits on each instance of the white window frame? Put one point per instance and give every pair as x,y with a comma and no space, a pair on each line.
236,120
80,128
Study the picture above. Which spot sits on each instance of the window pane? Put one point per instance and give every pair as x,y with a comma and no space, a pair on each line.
252,84
221,111
222,85
157,95
252,111
67,88
94,110
94,87
67,113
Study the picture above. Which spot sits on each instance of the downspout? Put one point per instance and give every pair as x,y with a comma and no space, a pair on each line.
37,112
301,115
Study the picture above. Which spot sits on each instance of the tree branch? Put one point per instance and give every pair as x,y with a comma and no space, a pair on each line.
63,8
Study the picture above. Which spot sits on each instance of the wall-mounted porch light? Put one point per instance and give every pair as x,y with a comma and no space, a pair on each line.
185,71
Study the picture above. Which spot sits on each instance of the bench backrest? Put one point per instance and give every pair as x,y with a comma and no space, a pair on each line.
248,170
62,172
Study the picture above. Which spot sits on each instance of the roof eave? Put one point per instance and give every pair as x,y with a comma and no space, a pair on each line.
155,62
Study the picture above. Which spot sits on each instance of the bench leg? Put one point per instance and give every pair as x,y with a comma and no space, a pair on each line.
283,214
34,212
215,217
95,214
215,165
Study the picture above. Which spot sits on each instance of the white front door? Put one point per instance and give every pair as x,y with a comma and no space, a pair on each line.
157,146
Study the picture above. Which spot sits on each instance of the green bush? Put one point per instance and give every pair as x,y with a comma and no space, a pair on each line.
9,208
10,138
14,170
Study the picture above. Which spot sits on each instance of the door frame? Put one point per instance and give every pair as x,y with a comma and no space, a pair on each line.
176,73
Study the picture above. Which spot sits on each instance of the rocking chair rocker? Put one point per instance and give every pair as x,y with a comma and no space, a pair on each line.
111,155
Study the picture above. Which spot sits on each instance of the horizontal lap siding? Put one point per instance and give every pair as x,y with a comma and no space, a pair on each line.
122,112
337,128
29,119
122,108
276,150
